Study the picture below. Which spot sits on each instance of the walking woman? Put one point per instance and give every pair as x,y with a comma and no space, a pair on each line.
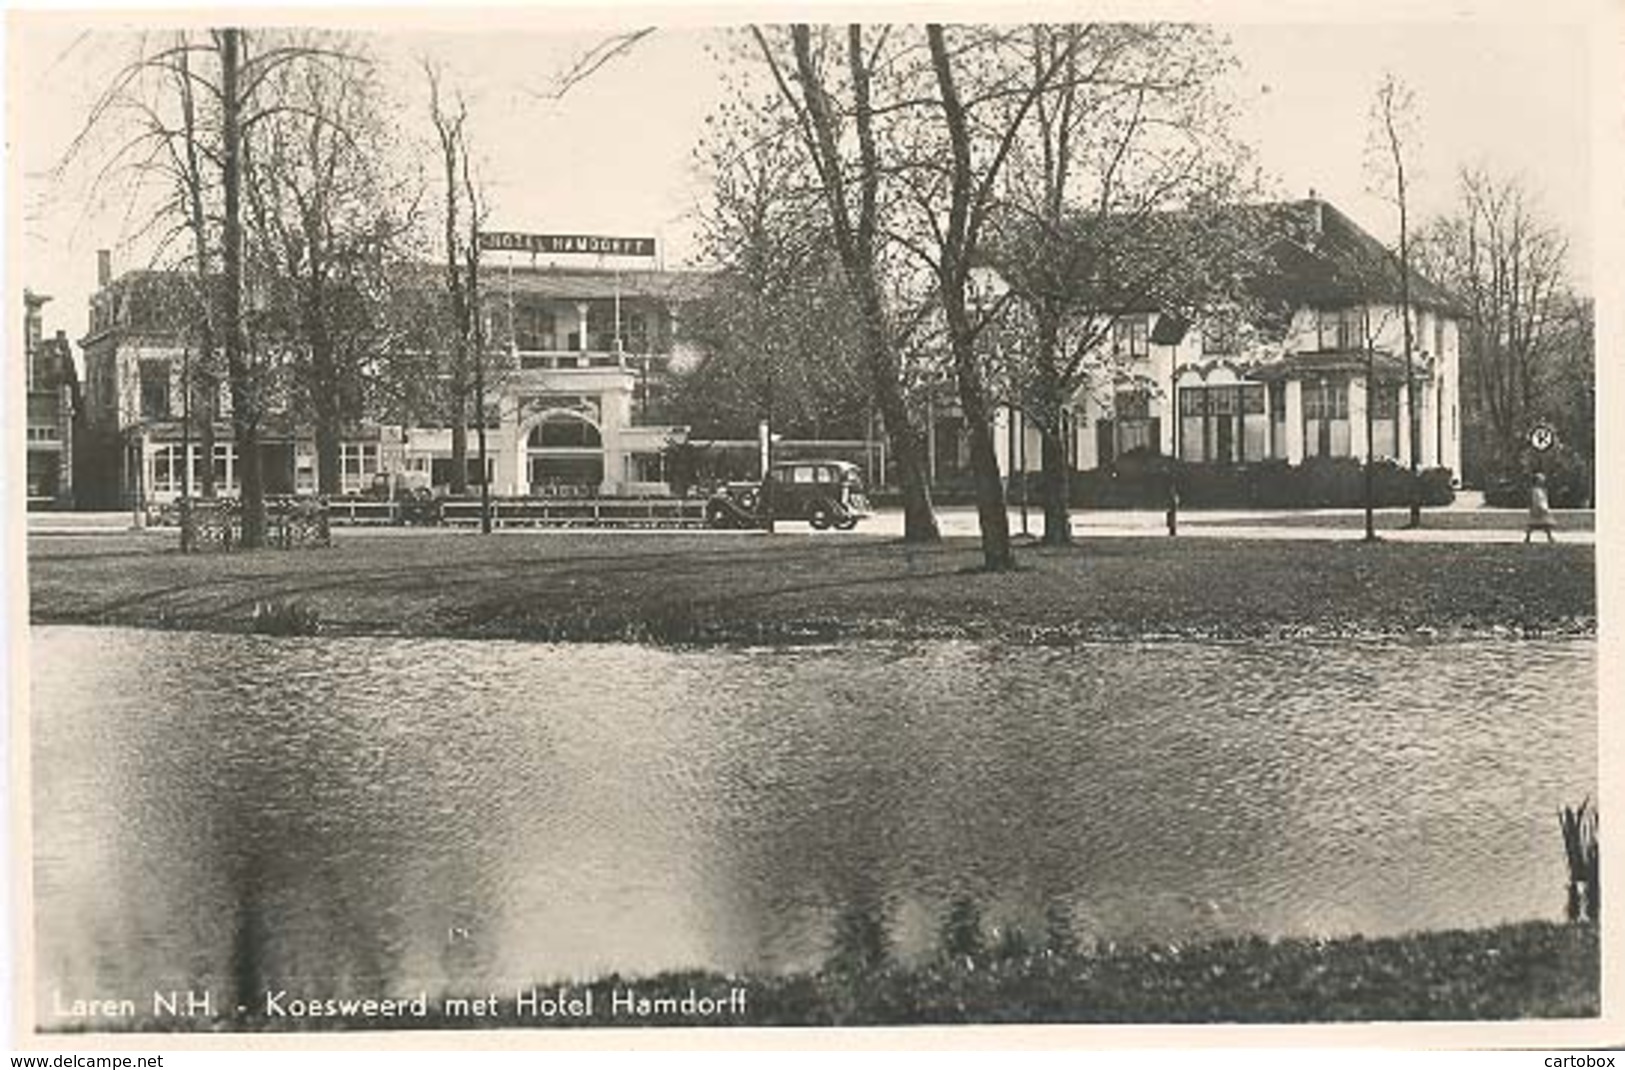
1540,511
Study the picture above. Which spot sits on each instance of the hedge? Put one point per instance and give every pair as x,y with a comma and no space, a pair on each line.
1319,483
1569,483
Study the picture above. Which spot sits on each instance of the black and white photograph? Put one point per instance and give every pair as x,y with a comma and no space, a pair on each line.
570,520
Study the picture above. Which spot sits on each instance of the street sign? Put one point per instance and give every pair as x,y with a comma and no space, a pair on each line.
1542,437
501,241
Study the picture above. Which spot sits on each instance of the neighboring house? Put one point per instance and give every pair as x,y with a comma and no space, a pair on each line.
1291,386
53,392
566,392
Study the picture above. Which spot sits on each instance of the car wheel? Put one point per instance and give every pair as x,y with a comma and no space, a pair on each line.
716,516
820,517
847,523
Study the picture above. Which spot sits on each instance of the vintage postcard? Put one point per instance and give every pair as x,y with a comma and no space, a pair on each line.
546,522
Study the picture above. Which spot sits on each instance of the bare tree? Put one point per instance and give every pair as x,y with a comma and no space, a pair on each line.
1509,265
851,188
1394,119
329,223
774,325
1120,198
450,122
220,85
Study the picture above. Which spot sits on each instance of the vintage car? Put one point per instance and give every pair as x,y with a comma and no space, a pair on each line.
823,493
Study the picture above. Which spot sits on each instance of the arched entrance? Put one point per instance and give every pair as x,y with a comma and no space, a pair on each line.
564,455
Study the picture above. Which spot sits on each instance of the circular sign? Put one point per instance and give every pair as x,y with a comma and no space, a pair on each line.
1542,437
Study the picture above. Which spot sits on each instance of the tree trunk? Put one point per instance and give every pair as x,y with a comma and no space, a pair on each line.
907,444
953,272
1057,488
329,439
459,439
325,395
244,400
205,435
204,384
991,511
855,243
1050,404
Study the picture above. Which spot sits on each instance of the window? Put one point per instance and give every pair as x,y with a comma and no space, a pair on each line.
601,326
1221,334
440,470
563,431
154,389
648,468
533,328
1326,418
358,463
225,456
1135,429
1342,328
166,465
169,471
1277,407
1129,337
1385,420
634,332
1222,424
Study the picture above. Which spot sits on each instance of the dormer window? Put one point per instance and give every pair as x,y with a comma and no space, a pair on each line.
1342,329
1221,334
1130,337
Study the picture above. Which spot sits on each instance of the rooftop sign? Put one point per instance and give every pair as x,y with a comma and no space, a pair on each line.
592,244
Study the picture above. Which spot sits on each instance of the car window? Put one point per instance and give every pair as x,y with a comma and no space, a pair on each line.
823,474
802,473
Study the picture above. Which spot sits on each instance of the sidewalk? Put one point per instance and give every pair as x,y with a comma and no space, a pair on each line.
1454,524
1458,523
67,523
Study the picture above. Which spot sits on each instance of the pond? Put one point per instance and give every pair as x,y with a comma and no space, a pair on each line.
384,814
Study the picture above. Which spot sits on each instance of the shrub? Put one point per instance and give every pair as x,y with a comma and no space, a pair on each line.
1320,482
1580,846
962,935
861,944
284,618
1568,481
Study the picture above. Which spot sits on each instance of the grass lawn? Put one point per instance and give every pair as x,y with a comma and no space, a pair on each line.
717,587
1530,970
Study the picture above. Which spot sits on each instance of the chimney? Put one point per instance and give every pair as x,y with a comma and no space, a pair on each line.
1316,210
104,267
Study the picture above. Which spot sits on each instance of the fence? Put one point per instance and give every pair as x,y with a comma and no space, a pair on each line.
290,524
578,512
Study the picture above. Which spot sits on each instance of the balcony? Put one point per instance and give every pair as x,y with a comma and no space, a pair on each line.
575,360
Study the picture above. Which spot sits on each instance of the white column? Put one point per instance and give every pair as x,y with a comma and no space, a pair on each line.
1430,422
581,323
1294,421
1357,405
510,451
1404,457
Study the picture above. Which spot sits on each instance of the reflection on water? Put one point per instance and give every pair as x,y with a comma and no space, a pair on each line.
365,814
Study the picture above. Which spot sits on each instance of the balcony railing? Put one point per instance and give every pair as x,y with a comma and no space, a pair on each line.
574,359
